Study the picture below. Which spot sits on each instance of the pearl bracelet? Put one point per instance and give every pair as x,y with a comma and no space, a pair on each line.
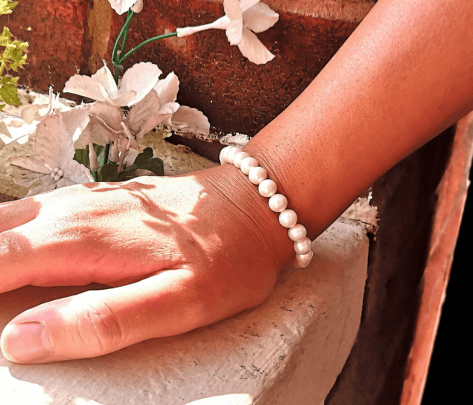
277,202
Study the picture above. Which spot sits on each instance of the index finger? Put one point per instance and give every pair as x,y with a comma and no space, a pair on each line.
17,213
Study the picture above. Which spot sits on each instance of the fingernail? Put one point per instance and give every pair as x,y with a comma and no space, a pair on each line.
25,342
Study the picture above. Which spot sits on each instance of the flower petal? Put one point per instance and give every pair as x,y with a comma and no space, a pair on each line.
84,138
31,113
75,172
105,77
167,88
30,164
232,9
247,4
169,108
76,121
4,129
234,32
132,144
153,123
191,120
260,18
111,115
121,6
100,86
52,141
138,6
101,133
142,112
46,184
253,49
86,87
140,78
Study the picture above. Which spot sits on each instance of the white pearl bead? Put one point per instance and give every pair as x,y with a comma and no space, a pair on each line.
297,233
57,177
302,261
288,218
257,175
239,157
247,164
277,203
60,172
267,188
232,151
303,247
223,155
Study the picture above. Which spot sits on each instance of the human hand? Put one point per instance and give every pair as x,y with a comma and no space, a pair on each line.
179,253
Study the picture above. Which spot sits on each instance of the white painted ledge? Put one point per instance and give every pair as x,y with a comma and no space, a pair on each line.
288,350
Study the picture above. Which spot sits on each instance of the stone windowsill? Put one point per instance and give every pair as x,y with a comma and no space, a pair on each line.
288,350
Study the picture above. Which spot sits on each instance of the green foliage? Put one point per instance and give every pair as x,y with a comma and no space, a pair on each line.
12,57
6,6
109,171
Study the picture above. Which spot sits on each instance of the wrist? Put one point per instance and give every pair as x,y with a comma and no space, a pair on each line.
277,202
242,199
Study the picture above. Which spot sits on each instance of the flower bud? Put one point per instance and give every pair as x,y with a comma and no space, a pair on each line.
137,7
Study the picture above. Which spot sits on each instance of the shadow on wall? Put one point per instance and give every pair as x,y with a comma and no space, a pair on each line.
406,197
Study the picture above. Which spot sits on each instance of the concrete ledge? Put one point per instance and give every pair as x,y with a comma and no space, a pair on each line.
288,350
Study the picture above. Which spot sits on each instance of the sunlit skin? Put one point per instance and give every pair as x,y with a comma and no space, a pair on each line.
184,252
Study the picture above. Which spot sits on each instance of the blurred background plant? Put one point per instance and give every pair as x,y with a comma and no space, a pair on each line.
12,57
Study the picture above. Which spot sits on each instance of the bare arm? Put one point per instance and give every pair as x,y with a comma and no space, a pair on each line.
402,77
188,251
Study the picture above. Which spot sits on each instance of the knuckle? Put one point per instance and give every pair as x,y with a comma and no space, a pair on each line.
13,245
97,326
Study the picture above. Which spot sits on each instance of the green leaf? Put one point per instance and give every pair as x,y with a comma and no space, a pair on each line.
5,37
109,172
2,106
9,80
82,156
127,174
6,6
9,95
154,165
14,55
145,155
100,152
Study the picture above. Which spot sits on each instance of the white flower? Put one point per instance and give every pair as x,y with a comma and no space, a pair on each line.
241,20
158,107
36,112
122,6
53,165
20,126
136,83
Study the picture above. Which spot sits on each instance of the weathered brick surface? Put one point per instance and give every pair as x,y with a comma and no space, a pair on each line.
55,30
236,95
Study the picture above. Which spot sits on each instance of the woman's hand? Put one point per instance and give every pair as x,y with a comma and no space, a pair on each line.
179,252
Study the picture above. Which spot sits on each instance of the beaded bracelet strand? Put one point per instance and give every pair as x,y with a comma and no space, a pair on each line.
277,202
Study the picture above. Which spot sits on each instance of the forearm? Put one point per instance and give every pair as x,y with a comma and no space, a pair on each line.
402,77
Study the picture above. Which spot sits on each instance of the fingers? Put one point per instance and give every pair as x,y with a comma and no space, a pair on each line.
99,322
16,213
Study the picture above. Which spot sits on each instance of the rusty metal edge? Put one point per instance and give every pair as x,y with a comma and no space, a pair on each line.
452,193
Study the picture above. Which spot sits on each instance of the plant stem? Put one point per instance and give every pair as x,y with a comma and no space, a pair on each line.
2,67
107,152
125,35
157,38
122,36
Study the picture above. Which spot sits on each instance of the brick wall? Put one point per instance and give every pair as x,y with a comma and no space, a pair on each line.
70,36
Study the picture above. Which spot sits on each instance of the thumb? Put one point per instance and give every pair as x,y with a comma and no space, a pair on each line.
95,323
